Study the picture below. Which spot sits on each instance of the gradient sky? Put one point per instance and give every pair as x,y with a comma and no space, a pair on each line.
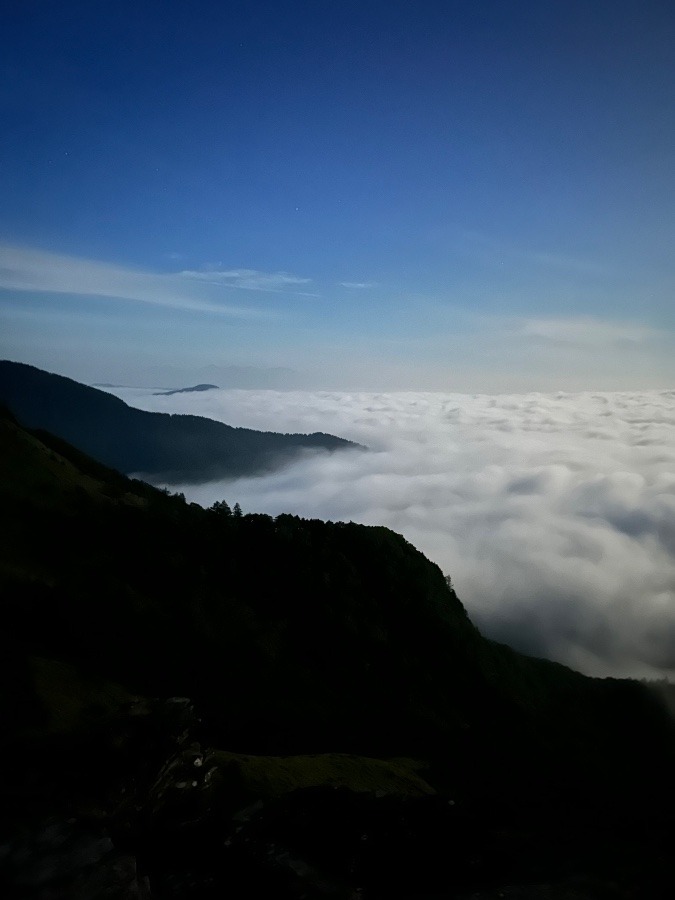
348,195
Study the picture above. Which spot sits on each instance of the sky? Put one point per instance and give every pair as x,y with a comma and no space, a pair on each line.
369,196
553,513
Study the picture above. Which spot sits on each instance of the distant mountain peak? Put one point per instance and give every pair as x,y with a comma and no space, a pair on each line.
187,390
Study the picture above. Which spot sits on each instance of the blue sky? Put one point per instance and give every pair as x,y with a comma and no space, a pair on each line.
344,195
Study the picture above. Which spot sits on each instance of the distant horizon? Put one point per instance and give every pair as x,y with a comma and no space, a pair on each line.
252,378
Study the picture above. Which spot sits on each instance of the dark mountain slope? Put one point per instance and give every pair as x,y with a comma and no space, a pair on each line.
175,448
291,637
294,635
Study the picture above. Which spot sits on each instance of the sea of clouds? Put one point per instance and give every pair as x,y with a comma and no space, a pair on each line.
554,514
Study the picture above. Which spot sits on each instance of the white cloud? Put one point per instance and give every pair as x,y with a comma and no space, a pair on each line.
358,285
26,269
251,280
554,513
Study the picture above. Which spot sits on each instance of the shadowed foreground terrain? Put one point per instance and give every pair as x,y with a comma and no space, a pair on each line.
198,704
172,448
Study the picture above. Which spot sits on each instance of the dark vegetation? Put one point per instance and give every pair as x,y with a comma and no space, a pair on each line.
172,448
347,728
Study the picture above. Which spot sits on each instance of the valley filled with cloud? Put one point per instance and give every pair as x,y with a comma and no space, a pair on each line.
554,514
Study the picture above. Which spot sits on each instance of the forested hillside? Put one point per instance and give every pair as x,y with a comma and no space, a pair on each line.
337,646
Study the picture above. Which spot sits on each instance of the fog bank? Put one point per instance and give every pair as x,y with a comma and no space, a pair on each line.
553,513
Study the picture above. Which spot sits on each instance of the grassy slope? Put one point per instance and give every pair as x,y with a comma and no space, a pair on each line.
273,776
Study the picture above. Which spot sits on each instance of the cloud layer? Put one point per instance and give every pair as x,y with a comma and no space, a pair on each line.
553,513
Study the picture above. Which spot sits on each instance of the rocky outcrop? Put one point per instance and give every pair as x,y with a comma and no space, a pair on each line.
139,807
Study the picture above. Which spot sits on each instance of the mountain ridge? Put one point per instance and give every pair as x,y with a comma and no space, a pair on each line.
172,448
351,586
327,663
187,390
